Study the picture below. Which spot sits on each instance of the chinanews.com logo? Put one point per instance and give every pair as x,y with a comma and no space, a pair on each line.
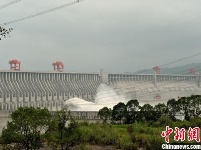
193,134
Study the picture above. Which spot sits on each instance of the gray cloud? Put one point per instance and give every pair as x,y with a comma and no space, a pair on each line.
116,35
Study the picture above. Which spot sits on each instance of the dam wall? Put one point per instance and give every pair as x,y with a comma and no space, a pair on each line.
51,89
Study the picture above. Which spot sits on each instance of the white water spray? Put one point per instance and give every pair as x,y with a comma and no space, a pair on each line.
105,97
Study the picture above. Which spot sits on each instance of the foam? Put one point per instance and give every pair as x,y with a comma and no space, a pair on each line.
105,97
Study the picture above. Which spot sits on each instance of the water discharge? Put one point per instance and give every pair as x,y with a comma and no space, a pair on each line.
105,97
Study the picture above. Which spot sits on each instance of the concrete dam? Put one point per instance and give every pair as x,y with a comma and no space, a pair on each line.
52,89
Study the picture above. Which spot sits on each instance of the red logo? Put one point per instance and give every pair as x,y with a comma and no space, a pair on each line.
167,133
179,134
193,134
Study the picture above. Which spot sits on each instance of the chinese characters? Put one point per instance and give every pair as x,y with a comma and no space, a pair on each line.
192,133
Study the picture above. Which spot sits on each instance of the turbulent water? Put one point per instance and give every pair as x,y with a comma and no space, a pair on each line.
105,97
77,104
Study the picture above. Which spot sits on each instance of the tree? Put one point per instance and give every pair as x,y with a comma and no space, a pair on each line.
184,105
119,112
4,32
25,129
132,108
173,108
160,110
59,133
190,106
195,105
147,112
105,114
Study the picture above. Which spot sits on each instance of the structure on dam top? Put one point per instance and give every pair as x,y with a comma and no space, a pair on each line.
14,64
58,66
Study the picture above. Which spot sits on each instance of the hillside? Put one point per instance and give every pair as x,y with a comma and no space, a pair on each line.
174,70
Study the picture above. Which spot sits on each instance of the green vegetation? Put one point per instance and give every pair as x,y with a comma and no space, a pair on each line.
104,114
62,131
132,127
132,112
34,128
146,135
25,129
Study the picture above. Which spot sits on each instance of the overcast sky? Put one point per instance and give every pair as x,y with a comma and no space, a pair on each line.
115,35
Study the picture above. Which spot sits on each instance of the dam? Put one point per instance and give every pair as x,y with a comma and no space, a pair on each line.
52,89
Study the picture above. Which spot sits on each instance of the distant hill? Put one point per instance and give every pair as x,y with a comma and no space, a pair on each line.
174,70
